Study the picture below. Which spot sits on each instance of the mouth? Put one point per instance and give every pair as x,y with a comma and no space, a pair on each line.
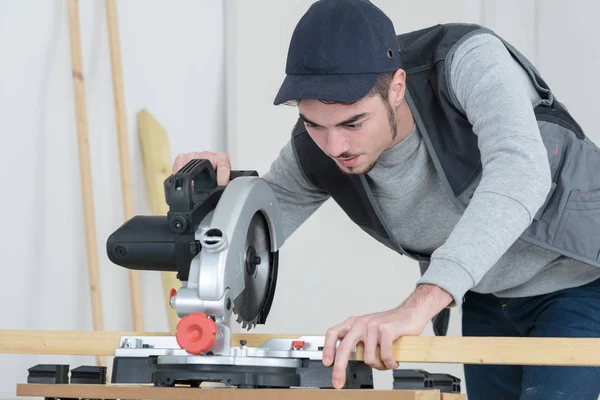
348,162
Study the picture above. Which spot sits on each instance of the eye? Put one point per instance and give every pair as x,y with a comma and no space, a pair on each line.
354,127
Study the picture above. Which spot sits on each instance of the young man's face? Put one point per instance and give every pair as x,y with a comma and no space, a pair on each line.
353,135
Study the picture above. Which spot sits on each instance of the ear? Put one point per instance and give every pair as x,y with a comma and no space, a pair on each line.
398,87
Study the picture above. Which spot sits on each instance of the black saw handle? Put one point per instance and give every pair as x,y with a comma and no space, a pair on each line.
178,187
167,242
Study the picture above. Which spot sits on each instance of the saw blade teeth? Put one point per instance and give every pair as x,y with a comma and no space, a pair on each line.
259,264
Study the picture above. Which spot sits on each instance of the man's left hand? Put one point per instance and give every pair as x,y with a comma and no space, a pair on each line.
379,331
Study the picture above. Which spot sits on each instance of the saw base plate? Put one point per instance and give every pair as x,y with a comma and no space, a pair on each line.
309,374
280,363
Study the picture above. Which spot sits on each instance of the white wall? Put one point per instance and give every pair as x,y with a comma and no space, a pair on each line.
173,64
569,57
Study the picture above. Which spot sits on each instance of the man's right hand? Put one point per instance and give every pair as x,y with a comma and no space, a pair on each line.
220,162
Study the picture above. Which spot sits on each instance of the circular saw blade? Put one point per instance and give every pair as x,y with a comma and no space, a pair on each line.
259,274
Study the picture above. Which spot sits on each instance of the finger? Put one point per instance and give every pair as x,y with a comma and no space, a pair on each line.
221,164
223,167
342,355
184,158
331,337
179,162
387,347
370,346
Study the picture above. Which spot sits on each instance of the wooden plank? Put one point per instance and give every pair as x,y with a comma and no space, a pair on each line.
157,160
462,350
180,393
91,342
60,342
156,156
452,396
135,284
85,170
497,350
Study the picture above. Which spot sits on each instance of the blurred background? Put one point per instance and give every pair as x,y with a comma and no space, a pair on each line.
208,71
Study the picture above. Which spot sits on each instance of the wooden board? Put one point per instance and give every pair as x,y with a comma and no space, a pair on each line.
462,350
497,350
91,342
453,396
85,170
135,279
156,157
180,393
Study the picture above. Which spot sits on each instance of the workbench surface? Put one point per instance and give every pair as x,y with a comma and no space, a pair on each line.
182,393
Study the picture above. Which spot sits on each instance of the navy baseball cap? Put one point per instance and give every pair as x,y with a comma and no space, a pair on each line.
337,51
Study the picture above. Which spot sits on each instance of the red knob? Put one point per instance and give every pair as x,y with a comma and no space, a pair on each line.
297,344
196,333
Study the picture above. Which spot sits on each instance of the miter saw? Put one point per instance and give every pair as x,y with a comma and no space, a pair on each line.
223,242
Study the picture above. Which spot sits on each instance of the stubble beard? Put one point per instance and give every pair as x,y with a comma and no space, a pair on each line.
393,128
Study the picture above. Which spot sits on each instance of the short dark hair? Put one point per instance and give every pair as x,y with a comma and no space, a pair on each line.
380,88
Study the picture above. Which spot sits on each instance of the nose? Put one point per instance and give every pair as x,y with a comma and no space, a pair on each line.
337,144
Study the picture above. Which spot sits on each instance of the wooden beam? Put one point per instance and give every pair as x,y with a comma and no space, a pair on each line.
135,284
181,393
497,350
426,349
157,160
85,170
84,343
453,396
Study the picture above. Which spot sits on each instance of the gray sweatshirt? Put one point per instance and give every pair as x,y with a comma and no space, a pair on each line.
479,249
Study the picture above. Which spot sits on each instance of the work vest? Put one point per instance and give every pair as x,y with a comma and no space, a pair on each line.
567,223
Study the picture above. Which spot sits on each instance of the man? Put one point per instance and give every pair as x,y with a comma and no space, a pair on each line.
446,145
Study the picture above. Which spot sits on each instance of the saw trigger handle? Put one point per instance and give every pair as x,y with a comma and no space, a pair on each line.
178,187
181,195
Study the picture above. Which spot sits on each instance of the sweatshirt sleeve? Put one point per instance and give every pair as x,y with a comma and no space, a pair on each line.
298,198
490,87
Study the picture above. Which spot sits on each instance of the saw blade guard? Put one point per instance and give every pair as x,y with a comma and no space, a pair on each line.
217,274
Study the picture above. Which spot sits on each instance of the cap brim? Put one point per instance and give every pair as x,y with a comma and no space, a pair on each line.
346,88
